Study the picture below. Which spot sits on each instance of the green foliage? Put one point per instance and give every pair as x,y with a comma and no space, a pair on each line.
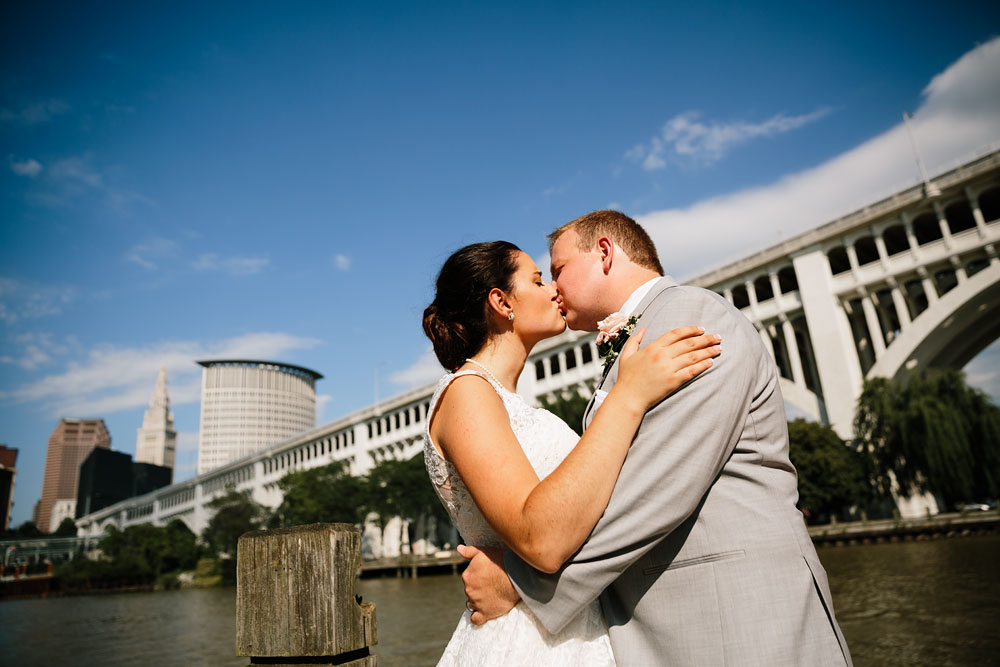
832,476
569,407
235,513
27,529
933,433
402,488
325,494
137,556
67,528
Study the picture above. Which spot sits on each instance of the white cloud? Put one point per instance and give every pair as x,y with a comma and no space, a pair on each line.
148,253
77,170
37,349
235,266
425,370
113,378
21,300
342,262
959,116
29,167
687,137
36,113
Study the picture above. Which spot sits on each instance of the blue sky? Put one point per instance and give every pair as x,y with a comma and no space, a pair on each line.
245,179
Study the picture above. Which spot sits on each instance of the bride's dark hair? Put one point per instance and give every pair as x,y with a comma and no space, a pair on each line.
456,320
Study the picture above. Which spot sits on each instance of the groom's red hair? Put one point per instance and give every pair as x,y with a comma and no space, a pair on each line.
621,229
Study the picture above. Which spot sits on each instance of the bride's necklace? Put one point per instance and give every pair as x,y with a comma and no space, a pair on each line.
488,371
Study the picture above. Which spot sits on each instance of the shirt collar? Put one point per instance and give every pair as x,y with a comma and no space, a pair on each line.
637,296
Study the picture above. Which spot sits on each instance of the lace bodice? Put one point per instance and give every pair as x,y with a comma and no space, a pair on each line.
545,439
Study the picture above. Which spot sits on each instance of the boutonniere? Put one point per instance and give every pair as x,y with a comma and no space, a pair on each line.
614,331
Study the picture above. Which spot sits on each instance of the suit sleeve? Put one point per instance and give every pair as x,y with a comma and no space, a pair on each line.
680,448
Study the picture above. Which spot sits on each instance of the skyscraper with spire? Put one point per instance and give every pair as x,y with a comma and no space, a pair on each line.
156,441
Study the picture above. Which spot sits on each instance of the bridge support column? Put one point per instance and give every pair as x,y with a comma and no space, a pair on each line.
768,343
930,289
793,352
911,238
752,295
943,224
875,335
899,301
977,213
837,363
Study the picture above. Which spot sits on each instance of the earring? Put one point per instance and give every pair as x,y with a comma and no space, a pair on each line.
510,316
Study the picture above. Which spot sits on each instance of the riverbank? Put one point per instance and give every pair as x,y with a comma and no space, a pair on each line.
939,526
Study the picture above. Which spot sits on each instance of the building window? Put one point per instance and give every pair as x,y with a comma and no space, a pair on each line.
539,370
586,354
570,359
554,364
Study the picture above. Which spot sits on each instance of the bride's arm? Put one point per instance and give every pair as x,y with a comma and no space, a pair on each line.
546,522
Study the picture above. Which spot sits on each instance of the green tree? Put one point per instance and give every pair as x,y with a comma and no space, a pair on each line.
325,494
183,551
569,406
402,488
27,529
931,432
235,513
831,474
67,528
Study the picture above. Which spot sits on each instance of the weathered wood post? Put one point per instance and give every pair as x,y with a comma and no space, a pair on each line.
295,601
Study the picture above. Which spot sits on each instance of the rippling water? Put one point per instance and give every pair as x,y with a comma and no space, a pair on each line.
906,604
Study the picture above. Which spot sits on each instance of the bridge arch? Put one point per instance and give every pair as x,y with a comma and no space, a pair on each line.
952,331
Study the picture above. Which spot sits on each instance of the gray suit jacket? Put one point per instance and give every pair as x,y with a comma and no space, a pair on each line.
701,557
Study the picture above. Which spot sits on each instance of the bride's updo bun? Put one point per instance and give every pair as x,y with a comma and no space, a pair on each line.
456,320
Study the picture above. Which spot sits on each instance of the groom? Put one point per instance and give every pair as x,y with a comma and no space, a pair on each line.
701,557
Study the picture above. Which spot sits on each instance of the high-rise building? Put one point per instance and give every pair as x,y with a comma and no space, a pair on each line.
247,406
69,445
108,477
105,479
8,471
156,441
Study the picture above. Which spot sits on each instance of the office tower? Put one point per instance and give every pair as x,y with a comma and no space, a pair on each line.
247,406
105,479
69,445
156,441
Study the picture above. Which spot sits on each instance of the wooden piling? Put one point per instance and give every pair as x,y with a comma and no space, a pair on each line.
295,601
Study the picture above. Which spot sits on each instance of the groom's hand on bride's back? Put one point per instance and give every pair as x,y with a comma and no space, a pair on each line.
490,593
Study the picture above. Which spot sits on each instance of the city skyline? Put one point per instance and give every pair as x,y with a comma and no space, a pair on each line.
284,184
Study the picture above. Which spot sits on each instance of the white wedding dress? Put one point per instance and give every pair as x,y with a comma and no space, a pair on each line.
519,637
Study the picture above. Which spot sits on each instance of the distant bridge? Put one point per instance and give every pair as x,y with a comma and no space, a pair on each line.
908,282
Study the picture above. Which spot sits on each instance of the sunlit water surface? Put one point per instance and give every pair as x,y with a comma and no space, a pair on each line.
913,603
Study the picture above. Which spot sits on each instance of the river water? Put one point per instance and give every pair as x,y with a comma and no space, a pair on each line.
906,604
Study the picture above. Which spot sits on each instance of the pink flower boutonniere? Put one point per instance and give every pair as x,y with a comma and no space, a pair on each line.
614,331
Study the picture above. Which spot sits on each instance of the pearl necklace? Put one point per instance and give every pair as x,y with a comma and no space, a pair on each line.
488,371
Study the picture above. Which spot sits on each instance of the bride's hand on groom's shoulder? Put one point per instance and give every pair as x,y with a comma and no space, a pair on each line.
657,370
487,587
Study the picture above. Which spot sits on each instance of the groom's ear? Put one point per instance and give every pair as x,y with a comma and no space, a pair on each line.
606,247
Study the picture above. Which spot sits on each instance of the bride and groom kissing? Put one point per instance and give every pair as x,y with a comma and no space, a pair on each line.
668,533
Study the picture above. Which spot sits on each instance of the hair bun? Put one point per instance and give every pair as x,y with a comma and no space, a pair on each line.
455,322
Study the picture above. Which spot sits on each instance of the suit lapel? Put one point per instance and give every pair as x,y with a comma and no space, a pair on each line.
662,284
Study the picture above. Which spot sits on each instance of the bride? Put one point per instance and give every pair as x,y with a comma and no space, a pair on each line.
518,477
